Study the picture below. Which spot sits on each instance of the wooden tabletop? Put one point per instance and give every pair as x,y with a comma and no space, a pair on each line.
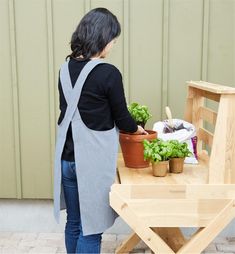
196,174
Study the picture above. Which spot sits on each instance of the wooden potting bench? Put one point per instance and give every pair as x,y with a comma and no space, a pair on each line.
203,196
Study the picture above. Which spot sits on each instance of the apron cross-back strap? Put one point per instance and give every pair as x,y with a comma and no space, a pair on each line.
72,94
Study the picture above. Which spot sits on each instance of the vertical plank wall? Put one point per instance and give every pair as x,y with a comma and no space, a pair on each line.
163,44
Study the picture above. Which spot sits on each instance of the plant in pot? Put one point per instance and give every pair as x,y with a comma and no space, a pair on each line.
158,153
179,152
140,113
131,144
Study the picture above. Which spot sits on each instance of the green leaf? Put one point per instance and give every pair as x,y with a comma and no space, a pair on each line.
139,113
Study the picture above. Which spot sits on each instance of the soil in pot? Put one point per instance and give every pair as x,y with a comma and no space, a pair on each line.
160,168
176,165
133,149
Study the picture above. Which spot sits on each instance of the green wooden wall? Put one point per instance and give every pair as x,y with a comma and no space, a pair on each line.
163,44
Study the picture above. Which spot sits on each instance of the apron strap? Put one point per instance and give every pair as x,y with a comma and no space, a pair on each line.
65,80
72,95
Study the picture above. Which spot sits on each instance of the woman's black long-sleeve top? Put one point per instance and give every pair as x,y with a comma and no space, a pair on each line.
102,102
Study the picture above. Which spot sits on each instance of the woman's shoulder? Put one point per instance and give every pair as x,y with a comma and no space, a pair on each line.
102,71
103,66
109,69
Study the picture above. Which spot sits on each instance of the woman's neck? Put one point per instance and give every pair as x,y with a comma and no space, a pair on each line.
93,57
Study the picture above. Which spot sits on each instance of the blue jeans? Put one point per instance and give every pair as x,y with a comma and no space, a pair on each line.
75,242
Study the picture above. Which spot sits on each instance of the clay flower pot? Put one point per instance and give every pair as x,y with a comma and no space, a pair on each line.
133,149
176,165
160,168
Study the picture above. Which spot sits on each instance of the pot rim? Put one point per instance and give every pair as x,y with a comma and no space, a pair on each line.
132,134
126,137
178,158
162,162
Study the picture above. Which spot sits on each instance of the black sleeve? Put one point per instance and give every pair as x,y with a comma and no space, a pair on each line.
117,101
62,102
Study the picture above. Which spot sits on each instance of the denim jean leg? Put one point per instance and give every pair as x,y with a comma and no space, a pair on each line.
72,227
89,243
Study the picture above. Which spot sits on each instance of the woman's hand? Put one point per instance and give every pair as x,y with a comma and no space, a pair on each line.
141,130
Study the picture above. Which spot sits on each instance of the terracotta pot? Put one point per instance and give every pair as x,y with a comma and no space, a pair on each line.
160,168
176,165
133,148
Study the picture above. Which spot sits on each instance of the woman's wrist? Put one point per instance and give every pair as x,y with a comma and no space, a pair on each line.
140,130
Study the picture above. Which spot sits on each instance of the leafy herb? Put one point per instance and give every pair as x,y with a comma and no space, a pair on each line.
140,113
156,150
159,150
179,150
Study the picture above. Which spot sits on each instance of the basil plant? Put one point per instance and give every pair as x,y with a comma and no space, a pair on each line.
157,150
140,113
179,150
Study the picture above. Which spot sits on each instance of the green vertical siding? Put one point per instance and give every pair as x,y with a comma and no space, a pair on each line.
163,44
9,145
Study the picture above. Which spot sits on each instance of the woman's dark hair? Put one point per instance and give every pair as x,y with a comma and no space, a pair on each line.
96,29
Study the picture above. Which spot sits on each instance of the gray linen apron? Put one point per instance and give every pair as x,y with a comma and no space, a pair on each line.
95,158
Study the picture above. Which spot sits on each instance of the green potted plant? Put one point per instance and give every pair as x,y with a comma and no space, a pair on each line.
158,153
179,152
140,113
131,144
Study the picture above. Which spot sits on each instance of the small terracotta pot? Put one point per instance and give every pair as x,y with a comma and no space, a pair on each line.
133,148
160,168
176,165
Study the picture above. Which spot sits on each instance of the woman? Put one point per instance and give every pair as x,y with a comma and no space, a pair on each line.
93,110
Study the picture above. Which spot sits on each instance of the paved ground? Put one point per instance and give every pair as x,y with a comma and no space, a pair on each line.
54,243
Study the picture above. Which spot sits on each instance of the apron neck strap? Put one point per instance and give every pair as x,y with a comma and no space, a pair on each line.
73,93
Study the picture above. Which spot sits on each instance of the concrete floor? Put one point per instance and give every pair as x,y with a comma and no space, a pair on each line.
20,242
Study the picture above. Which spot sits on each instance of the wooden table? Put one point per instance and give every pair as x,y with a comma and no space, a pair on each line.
203,196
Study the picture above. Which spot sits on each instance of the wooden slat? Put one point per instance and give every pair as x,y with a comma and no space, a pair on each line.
129,244
208,115
200,241
210,87
144,232
179,220
123,189
172,236
205,136
222,159
210,95
189,108
175,191
161,207
205,158
189,105
211,191
206,94
198,101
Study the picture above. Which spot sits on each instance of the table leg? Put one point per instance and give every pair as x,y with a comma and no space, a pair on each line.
201,239
172,236
129,244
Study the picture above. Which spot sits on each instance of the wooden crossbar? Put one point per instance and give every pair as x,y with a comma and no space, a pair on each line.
175,191
208,115
200,240
145,233
206,136
209,95
211,87
128,244
172,236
